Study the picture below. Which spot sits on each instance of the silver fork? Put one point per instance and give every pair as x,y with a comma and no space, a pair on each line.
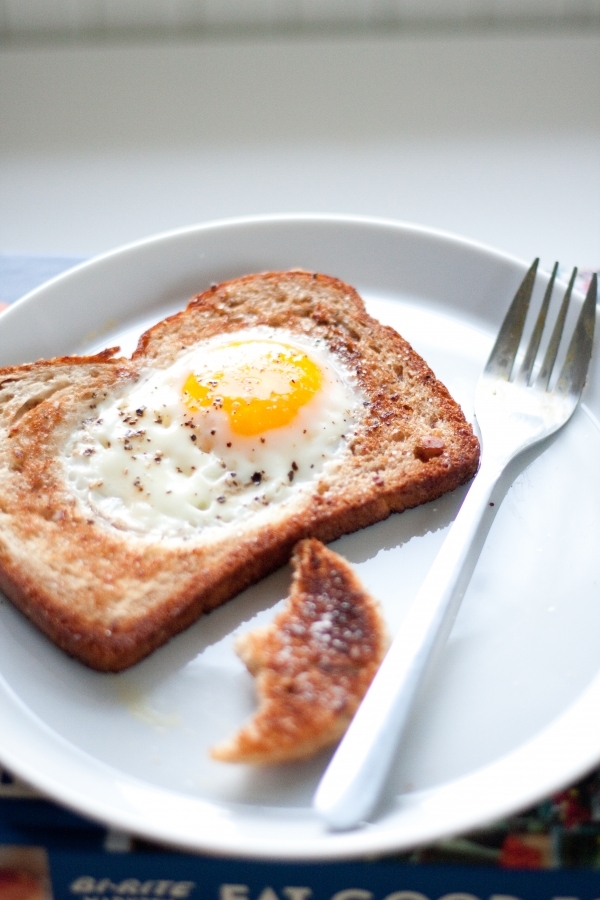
516,405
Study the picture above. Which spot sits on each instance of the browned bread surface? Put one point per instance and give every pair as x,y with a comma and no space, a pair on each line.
109,598
313,664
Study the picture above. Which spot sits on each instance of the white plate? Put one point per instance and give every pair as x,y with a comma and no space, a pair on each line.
512,711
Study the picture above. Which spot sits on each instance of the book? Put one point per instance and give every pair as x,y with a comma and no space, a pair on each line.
550,852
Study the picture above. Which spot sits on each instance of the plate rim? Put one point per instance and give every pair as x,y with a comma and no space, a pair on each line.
328,846
265,219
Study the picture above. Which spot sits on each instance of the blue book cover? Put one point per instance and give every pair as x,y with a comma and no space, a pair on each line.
550,852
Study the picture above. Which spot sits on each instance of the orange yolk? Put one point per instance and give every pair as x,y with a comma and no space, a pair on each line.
260,385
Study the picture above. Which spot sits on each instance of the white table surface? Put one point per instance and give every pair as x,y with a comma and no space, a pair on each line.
493,136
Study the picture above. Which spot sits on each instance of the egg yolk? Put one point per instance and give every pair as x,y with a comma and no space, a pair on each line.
259,384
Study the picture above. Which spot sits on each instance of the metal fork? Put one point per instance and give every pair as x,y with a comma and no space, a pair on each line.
516,405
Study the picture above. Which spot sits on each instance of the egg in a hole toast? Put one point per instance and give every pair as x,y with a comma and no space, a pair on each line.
137,494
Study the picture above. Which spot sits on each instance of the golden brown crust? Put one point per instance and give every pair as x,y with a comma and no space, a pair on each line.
312,665
109,598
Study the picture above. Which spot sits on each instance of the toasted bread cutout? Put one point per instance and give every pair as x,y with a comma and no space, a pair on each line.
313,663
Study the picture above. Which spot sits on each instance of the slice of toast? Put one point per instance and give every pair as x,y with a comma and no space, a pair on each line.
109,593
313,663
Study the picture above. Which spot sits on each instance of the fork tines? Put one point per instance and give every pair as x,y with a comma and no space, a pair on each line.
572,377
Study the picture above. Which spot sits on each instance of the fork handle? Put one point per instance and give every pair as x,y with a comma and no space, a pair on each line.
353,781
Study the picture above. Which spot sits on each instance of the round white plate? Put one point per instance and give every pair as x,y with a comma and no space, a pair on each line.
511,712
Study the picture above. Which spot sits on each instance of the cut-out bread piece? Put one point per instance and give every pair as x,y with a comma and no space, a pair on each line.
313,663
109,594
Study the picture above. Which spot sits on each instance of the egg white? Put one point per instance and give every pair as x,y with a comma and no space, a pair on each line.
140,464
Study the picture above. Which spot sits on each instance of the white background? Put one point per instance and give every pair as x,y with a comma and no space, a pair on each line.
494,135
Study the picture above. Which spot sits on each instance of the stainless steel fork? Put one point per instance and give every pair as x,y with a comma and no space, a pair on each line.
517,404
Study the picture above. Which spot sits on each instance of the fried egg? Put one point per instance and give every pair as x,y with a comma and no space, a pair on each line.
237,425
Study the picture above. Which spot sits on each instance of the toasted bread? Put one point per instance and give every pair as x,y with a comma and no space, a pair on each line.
313,663
108,594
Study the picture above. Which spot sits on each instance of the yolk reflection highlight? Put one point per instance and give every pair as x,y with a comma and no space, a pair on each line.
259,384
